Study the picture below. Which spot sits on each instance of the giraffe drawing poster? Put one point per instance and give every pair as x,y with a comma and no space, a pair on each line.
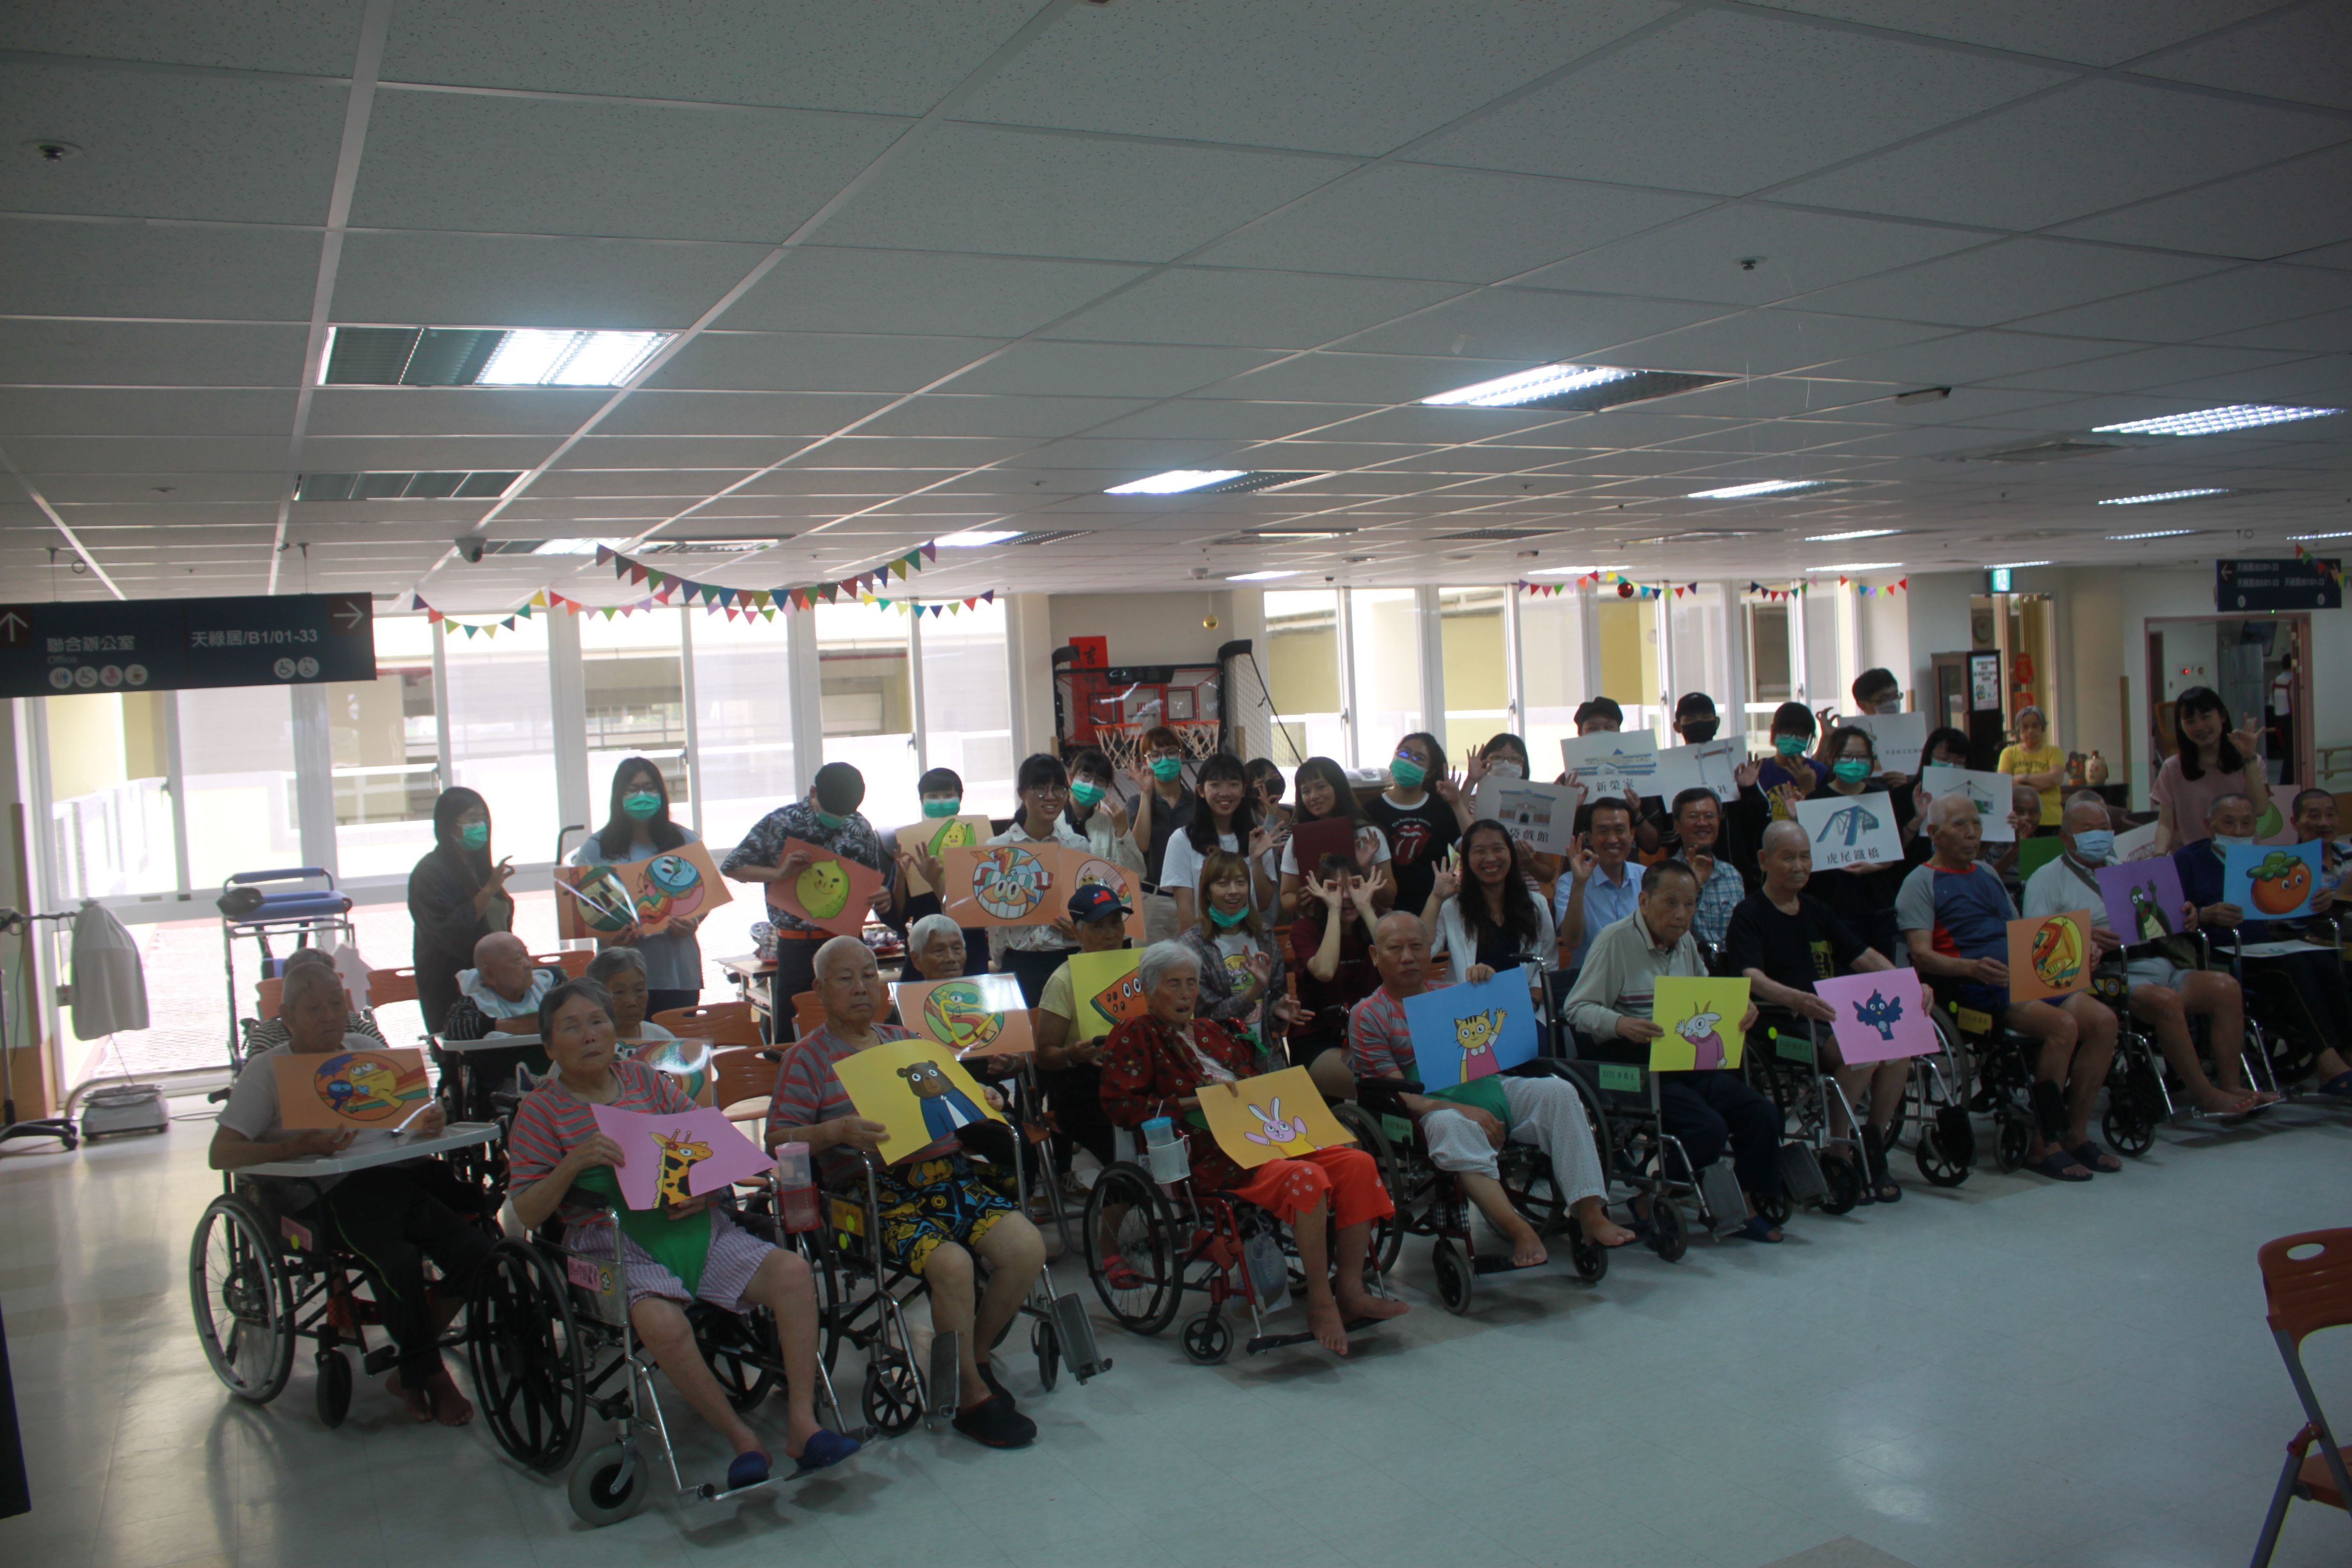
1701,1020
672,1156
1275,1116
1849,830
1465,1032
918,1091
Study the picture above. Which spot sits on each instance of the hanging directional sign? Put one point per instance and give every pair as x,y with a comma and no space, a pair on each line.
170,644
2278,583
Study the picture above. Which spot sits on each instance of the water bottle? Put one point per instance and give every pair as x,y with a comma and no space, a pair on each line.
796,1190
1163,1151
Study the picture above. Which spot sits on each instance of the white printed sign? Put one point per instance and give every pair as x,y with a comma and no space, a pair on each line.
1708,766
1849,830
1541,815
1610,761
2139,844
1899,739
1989,791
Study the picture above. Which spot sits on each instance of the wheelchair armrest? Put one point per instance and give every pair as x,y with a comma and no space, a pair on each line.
1385,1096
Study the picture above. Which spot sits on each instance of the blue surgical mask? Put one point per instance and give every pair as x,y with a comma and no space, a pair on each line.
829,822
1788,745
475,835
642,804
1407,773
2224,840
1226,922
945,807
2096,847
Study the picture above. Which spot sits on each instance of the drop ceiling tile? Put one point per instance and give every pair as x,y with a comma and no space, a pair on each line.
2123,143
651,483
2088,31
1416,425
187,526
248,35
75,411
1107,369
1414,220
1768,342
814,362
164,488
132,455
2329,332
1960,358
1795,252
1228,419
2224,302
155,145
450,410
148,353
68,267
812,476
2303,53
778,414
811,53
1774,396
1250,309
605,169
868,451
1262,75
1529,326
437,454
1040,418
510,280
1731,103
972,187
1359,378
2265,214
2006,281
2144,368
819,289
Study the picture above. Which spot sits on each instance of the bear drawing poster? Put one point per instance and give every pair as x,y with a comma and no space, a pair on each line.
918,1091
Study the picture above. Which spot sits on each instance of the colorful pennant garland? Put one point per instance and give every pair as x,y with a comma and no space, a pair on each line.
2321,565
1628,589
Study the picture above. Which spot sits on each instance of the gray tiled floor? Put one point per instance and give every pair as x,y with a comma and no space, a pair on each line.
2029,1376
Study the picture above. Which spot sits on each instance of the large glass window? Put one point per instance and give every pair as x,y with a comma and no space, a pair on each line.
1770,680
1386,663
385,740
1477,691
743,735
237,747
1552,663
109,799
503,733
1302,669
635,681
1697,619
869,703
968,705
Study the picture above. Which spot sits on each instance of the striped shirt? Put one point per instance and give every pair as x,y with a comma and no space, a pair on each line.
1379,1040
551,1121
809,1091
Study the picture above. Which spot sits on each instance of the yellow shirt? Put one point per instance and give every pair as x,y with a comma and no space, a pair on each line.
2017,760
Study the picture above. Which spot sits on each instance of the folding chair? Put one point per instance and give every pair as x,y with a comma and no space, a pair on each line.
2307,1280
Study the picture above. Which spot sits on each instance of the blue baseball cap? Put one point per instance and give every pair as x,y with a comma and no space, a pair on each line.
1096,903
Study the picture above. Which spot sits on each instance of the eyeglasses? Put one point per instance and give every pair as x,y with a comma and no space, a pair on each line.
1049,789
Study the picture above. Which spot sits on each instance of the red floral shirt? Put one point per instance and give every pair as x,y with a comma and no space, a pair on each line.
1147,1067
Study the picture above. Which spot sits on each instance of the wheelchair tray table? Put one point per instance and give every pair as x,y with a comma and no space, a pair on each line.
456,1135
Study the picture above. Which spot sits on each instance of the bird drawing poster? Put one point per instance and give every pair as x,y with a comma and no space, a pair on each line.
1880,1017
1275,1116
1849,830
917,1089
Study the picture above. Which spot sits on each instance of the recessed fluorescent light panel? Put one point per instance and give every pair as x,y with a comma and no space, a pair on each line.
973,538
1298,530
405,486
1762,488
1260,576
1854,533
2153,533
2151,500
1206,481
2214,421
1576,387
2307,538
1866,567
484,356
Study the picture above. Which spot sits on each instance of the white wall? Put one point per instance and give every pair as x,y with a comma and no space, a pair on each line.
1936,610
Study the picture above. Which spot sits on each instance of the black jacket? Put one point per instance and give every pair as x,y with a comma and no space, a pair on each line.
441,907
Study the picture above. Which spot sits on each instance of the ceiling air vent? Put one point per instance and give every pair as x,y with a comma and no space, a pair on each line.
442,486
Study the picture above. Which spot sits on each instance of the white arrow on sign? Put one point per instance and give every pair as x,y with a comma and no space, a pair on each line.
13,628
351,615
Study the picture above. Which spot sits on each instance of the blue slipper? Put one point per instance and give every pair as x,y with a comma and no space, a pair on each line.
2339,1088
2059,1166
827,1449
748,1469
1757,1228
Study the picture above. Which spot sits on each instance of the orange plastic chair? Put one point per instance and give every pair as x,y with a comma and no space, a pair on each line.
700,1020
273,997
741,1081
573,960
386,986
2306,1293
808,1013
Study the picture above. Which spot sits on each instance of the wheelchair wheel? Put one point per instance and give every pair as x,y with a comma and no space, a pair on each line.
610,1485
1150,1286
1048,1346
244,1303
1591,1258
1844,1180
892,1399
1669,1231
334,1392
743,1352
527,1357
1948,1147
1207,1338
2015,1137
1775,1206
1455,1280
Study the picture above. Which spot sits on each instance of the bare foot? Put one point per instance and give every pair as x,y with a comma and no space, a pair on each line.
1599,1228
450,1408
1329,1328
1356,1304
418,1400
1526,1251
2225,1101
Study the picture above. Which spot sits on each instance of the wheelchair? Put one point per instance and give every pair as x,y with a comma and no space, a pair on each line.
1783,1060
1431,1202
2281,1036
1171,1237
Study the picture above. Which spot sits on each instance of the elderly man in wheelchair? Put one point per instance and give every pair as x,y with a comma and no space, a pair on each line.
562,1166
390,1217
1462,1129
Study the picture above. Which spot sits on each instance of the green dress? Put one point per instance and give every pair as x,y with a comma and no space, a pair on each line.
680,1245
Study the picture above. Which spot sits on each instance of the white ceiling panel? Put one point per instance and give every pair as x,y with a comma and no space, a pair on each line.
1963,357
315,39
449,410
1251,309
1360,378
2007,281
130,455
2146,368
1768,342
1420,221
818,289
1702,256
510,280
810,53
2226,302
2271,213
814,362
609,483
738,413
937,413
145,410
400,454
155,145
1528,325
2090,31
972,187
2327,333
169,490
1418,426
1227,419
675,452
69,267
2120,142
2303,53
1732,103
147,354
1264,73
571,167
1107,369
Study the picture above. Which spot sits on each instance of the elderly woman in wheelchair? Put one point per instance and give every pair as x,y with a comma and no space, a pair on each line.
1156,1066
563,1166
390,1218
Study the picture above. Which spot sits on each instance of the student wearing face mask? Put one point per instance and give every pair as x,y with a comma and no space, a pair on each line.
829,819
456,897
1877,691
940,791
1096,812
1224,817
1242,984
1506,757
1420,822
1790,775
637,827
1864,896
1163,808
2160,992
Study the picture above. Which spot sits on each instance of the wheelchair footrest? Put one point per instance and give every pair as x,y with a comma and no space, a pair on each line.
1073,1333
1727,1206
1263,1343
1499,1263
1800,1173
947,1375
384,1358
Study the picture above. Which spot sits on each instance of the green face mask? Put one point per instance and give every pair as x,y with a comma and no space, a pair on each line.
475,835
947,807
829,822
1167,768
1226,922
1408,775
1086,793
1854,770
642,804
1788,745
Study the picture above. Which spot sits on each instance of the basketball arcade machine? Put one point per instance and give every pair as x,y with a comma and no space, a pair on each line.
1111,707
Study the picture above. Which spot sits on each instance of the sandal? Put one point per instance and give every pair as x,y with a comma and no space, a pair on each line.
825,1448
2091,1157
2059,1166
1757,1228
748,1468
1120,1275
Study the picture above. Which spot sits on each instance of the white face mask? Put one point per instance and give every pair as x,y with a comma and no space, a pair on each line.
1506,770
2226,839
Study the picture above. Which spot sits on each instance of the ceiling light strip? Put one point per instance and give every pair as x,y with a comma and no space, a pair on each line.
2216,421
2153,497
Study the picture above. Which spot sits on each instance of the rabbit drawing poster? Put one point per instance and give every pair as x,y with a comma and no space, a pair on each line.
1277,1116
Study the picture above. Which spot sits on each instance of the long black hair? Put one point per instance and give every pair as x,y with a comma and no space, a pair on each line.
452,803
620,829
1220,767
1521,922
2195,701
1343,793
